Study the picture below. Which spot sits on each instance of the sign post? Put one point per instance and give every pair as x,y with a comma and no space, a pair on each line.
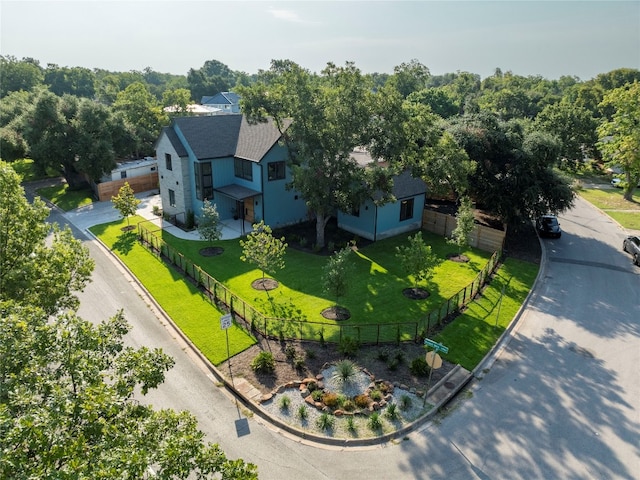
225,322
434,361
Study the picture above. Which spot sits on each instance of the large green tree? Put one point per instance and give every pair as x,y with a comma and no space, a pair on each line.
620,136
32,269
75,136
16,75
143,116
322,120
514,177
70,389
76,81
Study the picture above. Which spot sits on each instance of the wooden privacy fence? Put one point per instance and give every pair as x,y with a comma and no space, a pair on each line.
141,183
484,238
300,329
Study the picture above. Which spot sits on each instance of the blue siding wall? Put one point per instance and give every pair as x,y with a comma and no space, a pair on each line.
281,206
363,225
389,223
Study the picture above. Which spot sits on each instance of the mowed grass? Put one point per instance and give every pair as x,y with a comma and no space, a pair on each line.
375,294
192,312
612,202
66,199
375,285
24,168
476,330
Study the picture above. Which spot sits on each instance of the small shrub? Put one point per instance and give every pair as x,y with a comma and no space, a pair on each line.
299,363
349,405
419,367
317,395
330,399
351,424
303,241
190,221
331,246
405,402
392,411
284,402
349,347
399,356
342,399
263,363
345,370
290,352
303,412
310,354
157,211
393,364
384,387
325,421
312,386
361,401
383,354
374,422
376,395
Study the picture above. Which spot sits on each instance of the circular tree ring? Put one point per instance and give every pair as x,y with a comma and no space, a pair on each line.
415,293
211,251
455,257
265,284
336,313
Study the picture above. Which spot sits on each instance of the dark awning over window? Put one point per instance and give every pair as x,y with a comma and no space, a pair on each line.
237,192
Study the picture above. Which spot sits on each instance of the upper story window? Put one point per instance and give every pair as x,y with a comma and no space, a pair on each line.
204,180
167,160
276,170
123,174
243,169
406,209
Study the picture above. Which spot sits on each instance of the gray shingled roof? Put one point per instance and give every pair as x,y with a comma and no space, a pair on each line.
175,141
405,185
222,136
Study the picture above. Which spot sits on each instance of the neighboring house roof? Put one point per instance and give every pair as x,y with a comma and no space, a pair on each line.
222,98
196,109
225,136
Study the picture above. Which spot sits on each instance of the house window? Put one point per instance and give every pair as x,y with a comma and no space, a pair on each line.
167,160
204,180
406,209
276,170
243,169
172,198
123,174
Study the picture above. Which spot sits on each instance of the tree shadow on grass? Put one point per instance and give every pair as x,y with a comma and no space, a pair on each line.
125,242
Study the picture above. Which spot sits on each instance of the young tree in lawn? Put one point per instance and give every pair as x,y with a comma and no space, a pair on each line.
125,202
620,136
335,278
263,250
209,226
464,227
417,259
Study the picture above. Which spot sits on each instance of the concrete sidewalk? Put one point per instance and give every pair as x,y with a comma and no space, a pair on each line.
104,212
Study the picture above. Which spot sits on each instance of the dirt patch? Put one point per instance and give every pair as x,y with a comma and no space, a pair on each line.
457,257
211,251
416,293
336,313
385,362
265,284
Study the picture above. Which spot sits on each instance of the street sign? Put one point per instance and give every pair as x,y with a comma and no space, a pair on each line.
433,360
438,347
226,321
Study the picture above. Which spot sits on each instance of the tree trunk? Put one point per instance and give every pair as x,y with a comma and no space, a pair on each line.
321,222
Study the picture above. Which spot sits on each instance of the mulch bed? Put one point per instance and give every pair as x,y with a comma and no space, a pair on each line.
336,313
415,293
211,251
265,284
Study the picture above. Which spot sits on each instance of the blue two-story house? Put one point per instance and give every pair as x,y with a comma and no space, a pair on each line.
242,168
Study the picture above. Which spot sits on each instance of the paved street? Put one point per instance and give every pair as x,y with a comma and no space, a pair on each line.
562,399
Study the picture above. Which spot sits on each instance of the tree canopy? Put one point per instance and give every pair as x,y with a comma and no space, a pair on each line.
620,136
68,387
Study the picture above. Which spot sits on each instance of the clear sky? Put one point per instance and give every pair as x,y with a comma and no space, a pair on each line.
548,38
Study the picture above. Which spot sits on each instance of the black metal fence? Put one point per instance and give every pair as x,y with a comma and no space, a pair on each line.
282,328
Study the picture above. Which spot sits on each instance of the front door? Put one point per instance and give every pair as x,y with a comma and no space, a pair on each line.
248,210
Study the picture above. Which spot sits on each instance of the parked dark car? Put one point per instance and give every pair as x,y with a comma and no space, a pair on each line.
632,245
548,226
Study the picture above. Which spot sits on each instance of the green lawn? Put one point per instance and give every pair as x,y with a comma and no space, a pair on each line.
612,202
375,295
66,199
183,302
24,168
